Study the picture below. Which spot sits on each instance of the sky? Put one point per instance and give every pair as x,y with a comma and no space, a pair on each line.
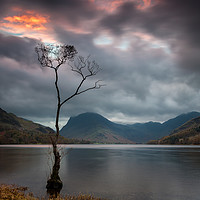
148,50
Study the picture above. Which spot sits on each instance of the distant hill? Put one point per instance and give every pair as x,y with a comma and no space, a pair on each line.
154,130
16,130
188,133
94,127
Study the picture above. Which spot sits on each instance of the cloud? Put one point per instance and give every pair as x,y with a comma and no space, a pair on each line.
29,21
61,10
19,49
175,22
119,21
26,24
164,18
39,19
149,55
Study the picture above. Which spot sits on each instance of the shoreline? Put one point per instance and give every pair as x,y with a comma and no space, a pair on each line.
11,191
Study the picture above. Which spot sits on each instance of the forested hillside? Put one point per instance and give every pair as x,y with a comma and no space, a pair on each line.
188,133
16,130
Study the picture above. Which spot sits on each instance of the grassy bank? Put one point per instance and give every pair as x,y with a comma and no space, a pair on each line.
13,192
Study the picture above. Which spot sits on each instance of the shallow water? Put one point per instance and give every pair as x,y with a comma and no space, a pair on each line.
135,172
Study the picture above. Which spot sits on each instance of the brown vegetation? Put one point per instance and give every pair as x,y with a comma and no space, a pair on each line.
188,133
14,136
13,192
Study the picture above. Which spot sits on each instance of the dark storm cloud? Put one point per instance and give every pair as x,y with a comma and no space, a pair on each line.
174,21
25,88
82,42
143,81
175,17
178,21
25,93
126,15
128,78
4,7
19,49
188,56
164,19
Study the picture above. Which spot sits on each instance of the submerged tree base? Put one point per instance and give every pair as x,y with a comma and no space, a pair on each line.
54,187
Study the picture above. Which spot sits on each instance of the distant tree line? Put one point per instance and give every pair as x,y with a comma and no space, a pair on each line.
190,136
26,137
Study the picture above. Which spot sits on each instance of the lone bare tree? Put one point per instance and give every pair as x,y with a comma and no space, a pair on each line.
53,57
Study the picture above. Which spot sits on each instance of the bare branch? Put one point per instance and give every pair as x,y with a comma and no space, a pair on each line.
53,56
85,68
96,86
43,56
77,92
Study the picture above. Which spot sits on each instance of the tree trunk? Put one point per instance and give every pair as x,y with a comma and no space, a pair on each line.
54,184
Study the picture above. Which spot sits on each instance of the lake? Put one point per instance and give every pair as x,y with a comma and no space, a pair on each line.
116,172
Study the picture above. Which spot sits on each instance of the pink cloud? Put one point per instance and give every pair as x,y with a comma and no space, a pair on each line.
112,5
27,23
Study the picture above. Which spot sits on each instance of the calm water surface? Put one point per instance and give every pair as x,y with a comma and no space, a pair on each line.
124,172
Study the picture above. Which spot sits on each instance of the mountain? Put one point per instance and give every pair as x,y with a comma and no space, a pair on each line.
188,133
154,130
179,120
10,121
94,127
16,130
